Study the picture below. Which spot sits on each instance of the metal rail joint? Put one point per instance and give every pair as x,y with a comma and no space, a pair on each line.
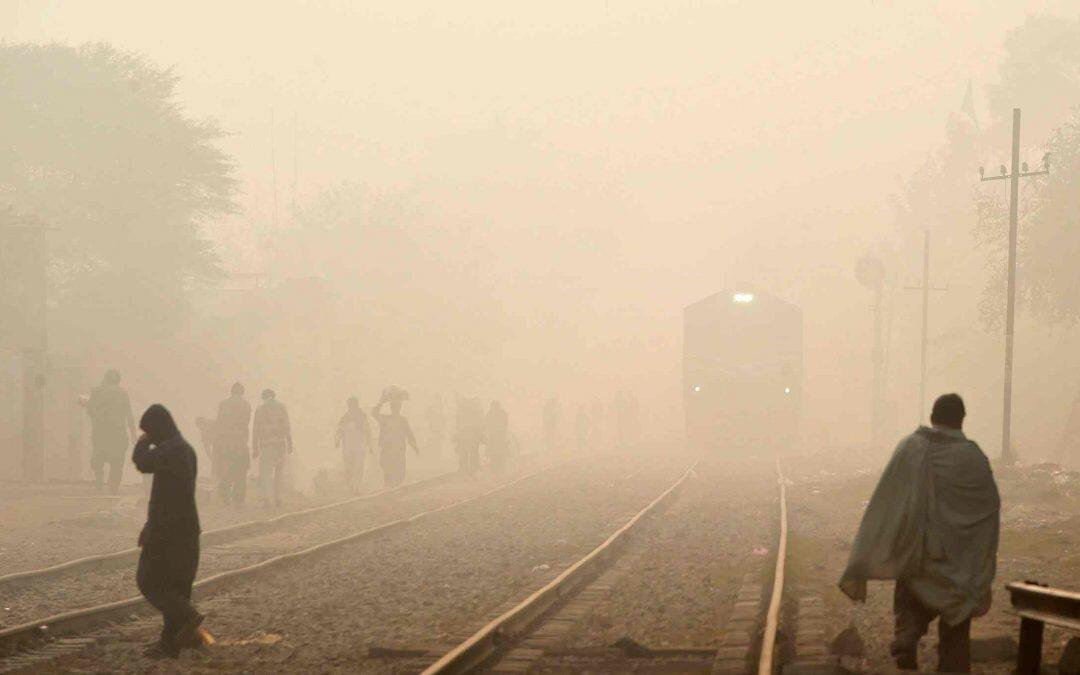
1038,605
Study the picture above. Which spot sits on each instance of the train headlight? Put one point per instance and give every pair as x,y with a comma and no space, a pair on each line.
697,388
742,298
787,390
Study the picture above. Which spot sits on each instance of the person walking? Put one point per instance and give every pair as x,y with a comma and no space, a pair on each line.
468,434
931,525
271,438
232,429
112,429
170,538
550,423
582,427
436,428
354,438
394,435
497,436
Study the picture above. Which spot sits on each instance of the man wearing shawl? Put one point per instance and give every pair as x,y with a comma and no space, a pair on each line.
271,438
232,428
932,526
112,429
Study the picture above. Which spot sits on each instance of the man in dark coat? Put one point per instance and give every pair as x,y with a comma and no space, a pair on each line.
112,429
468,434
170,538
231,432
551,413
353,436
271,436
497,436
932,525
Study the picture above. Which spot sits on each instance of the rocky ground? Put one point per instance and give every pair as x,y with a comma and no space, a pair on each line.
427,584
1040,540
416,586
31,600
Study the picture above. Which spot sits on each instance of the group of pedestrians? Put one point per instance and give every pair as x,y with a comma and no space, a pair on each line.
169,558
236,436
932,524
589,422
475,428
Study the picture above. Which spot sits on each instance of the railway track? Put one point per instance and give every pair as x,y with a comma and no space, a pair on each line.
531,636
220,535
43,638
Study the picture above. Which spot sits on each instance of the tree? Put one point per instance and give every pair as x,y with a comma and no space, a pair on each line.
1040,73
401,296
97,147
1049,237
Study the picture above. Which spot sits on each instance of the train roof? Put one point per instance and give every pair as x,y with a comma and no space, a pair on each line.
723,300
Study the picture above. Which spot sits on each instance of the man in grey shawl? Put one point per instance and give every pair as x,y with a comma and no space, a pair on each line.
932,525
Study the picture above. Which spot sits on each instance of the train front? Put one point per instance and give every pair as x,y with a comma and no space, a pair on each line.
742,372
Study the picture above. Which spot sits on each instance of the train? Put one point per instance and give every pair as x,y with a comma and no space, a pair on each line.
742,372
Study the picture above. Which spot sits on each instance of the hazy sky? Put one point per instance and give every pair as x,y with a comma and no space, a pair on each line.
699,143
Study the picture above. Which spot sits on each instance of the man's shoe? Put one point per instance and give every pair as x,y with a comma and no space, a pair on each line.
188,636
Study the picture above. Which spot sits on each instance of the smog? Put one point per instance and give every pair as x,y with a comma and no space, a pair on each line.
539,337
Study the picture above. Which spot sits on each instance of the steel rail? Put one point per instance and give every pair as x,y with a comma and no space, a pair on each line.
77,620
772,617
222,534
503,631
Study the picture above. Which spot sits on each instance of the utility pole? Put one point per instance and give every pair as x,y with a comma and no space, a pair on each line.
295,159
925,288
870,272
1017,172
273,168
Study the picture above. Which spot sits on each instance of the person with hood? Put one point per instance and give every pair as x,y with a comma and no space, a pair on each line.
468,434
497,436
581,427
231,432
394,435
932,526
112,429
550,423
354,438
436,428
170,537
271,438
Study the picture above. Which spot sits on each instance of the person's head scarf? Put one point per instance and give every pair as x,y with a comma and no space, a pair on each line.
158,424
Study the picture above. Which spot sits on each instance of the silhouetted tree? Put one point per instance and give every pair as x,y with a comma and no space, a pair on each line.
1039,73
97,146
